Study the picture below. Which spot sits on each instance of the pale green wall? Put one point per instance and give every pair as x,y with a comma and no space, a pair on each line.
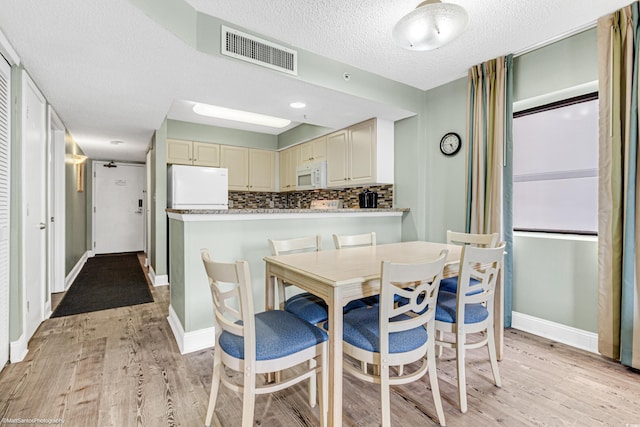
446,109
77,237
555,279
300,133
158,249
219,135
567,63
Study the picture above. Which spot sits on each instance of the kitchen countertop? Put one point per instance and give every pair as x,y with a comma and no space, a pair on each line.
259,214
276,211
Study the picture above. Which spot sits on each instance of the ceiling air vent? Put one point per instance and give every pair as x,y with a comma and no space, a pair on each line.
247,47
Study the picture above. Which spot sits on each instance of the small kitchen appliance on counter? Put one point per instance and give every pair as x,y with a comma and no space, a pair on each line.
368,199
326,204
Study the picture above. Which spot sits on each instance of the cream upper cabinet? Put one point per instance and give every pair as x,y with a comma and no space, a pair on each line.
236,160
249,169
262,170
337,158
205,154
179,152
289,161
193,153
314,150
361,154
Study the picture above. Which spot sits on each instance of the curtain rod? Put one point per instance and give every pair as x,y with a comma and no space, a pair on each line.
557,38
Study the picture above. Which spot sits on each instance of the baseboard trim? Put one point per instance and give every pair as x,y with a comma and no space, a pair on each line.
162,280
188,342
76,269
18,350
578,338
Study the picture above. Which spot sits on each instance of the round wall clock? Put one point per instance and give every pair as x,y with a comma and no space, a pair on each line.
450,144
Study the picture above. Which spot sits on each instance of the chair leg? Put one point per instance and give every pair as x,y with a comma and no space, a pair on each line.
248,396
313,385
385,395
215,386
491,345
323,384
462,381
433,380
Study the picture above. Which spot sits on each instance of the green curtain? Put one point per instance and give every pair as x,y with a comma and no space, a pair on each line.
489,161
618,259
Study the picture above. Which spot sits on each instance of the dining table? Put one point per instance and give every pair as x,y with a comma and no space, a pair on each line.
344,275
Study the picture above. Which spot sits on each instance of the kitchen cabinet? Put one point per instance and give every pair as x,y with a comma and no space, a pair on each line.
314,150
193,153
361,154
289,161
262,170
250,169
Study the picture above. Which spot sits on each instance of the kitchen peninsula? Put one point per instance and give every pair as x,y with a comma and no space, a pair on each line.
242,234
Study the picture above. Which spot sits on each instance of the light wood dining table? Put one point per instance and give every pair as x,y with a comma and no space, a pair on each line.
340,276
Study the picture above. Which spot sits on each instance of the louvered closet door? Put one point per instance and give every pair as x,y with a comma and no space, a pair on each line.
5,144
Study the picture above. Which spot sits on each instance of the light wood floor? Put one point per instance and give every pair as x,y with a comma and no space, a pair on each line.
121,367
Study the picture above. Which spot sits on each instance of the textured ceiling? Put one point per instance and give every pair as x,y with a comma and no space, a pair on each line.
112,73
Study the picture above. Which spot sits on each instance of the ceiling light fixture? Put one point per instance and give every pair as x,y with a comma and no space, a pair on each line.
297,105
431,25
239,116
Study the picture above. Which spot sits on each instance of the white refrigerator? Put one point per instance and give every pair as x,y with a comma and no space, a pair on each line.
197,187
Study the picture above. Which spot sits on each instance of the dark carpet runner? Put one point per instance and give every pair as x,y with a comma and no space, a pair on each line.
106,281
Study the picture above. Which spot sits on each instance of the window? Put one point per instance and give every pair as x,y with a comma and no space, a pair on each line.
555,167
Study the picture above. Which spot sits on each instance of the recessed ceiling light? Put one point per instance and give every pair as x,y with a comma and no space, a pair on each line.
239,116
297,105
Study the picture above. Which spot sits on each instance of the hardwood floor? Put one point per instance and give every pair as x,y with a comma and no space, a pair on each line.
121,367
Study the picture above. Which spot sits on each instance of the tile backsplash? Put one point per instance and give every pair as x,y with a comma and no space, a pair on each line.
302,199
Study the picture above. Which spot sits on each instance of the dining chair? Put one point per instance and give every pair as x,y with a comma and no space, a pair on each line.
343,241
450,284
389,334
352,240
458,315
255,344
304,305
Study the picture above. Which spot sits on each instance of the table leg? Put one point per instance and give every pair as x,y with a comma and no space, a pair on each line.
270,290
335,358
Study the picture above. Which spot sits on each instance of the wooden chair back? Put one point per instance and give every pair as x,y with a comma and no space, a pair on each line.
343,241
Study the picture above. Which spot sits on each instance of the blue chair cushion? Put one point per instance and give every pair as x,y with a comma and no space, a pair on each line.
446,310
361,329
450,284
278,334
313,309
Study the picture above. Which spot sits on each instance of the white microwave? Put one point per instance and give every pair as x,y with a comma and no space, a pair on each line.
311,176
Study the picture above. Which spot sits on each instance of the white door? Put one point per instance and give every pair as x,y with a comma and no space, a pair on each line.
34,257
56,203
118,207
5,190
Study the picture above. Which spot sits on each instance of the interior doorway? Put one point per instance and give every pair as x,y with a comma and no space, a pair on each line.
34,255
118,207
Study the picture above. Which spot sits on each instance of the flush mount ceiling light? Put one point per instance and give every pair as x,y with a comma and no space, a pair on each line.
431,25
239,116
297,105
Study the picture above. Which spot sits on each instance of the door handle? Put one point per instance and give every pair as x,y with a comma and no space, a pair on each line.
42,226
